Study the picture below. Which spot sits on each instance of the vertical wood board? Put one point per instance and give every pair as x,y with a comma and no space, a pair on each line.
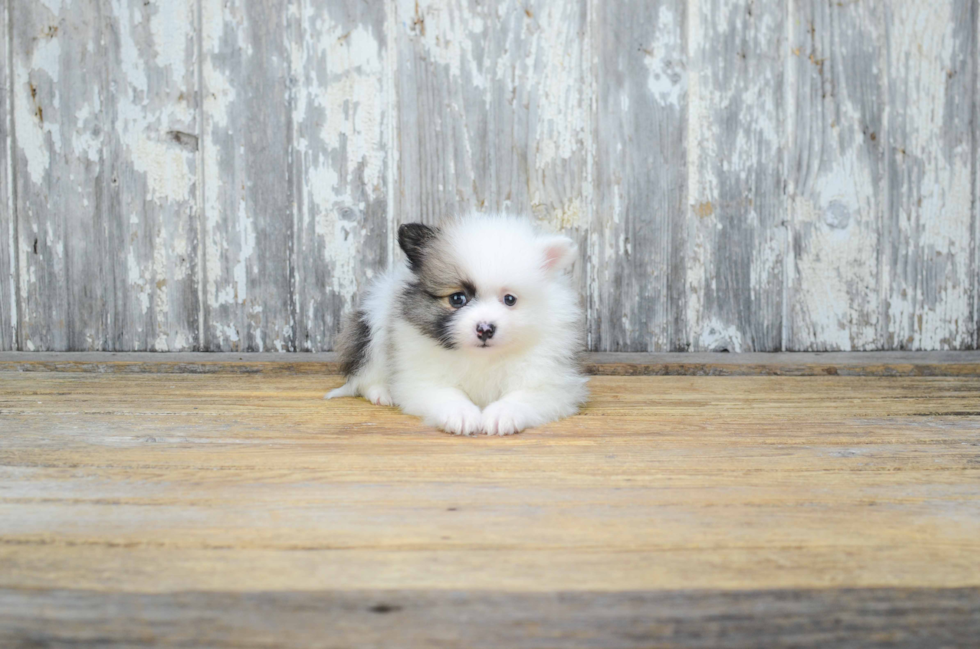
151,214
928,269
340,157
248,224
62,179
638,276
835,175
736,234
8,247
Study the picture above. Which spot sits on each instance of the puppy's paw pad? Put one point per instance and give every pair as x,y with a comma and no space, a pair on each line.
378,395
460,419
504,419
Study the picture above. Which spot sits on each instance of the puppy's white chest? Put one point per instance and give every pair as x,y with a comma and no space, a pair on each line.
484,384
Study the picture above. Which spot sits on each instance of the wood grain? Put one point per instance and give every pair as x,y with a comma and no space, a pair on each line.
835,175
928,263
340,143
845,618
444,94
249,227
541,117
168,483
740,175
637,295
62,178
736,226
240,510
8,238
152,214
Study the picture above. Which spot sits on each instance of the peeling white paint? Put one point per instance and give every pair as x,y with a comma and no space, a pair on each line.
931,308
350,92
36,137
168,174
344,107
835,211
447,29
246,230
700,148
720,337
665,56
171,38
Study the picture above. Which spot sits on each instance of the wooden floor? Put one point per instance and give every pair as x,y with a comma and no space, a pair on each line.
243,510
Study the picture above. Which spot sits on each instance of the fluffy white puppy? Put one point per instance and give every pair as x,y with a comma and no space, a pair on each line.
479,331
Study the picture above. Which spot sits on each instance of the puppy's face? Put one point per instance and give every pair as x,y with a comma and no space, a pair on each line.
481,285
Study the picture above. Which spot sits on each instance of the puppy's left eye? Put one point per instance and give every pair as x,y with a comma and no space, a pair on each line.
457,300
510,300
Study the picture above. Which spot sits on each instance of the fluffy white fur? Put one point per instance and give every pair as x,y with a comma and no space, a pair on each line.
526,375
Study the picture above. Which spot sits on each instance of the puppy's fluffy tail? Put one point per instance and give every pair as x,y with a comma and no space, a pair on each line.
346,390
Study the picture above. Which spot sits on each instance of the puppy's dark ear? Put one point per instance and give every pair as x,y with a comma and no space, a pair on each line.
413,239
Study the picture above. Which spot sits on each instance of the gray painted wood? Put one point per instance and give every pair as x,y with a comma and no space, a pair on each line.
736,226
8,248
739,174
151,209
340,159
540,117
927,245
443,77
62,179
832,617
248,229
494,113
835,174
637,277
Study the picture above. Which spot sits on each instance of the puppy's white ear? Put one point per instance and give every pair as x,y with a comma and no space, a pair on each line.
559,253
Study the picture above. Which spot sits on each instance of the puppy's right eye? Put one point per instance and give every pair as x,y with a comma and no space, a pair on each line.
457,300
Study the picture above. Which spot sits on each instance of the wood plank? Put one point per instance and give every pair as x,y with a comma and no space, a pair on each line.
443,127
8,246
894,618
835,175
929,266
340,120
237,483
249,261
976,183
637,277
62,179
736,236
603,363
540,139
151,214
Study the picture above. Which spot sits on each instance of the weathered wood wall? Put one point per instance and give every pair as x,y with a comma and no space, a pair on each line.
740,174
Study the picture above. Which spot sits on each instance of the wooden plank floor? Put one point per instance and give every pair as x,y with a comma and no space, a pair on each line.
243,510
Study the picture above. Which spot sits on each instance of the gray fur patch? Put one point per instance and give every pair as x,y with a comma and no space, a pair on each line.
422,303
428,313
353,343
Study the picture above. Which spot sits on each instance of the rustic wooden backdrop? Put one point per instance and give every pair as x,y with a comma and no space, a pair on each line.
740,174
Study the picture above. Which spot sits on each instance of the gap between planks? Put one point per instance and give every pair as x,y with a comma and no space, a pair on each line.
956,363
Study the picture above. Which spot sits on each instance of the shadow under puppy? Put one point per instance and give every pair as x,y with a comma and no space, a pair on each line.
478,331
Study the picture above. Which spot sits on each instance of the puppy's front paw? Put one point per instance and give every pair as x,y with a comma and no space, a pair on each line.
458,418
378,395
503,418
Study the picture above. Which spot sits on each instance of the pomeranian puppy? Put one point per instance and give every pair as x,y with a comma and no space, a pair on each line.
479,331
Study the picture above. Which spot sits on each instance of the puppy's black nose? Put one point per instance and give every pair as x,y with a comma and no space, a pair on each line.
484,331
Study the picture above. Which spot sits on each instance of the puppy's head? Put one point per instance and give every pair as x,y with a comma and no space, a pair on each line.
483,283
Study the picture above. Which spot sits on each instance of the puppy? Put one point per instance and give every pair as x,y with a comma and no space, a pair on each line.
479,331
